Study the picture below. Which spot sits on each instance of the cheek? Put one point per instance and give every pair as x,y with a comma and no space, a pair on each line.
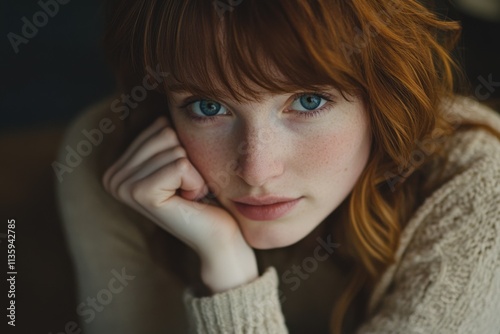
207,156
339,156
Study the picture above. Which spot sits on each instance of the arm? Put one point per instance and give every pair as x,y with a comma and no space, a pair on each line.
107,239
249,308
155,177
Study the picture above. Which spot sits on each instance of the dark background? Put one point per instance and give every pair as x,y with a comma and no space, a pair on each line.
54,76
59,71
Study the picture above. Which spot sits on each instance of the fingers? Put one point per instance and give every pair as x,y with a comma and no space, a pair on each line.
158,144
155,177
157,125
151,174
155,189
151,165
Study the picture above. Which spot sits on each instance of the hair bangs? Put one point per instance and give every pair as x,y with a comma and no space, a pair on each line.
221,52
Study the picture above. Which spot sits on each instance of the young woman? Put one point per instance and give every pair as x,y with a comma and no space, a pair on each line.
284,166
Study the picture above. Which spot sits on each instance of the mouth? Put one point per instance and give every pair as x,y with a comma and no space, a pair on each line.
270,211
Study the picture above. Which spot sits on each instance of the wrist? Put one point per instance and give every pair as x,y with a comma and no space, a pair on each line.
229,269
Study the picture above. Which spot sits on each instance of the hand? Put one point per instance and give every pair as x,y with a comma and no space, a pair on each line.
155,177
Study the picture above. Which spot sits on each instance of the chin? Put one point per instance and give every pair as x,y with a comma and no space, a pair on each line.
265,240
266,246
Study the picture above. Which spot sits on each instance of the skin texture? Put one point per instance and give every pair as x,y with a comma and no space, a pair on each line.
253,148
264,147
154,177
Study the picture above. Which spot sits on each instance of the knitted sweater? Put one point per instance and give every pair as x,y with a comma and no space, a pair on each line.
446,275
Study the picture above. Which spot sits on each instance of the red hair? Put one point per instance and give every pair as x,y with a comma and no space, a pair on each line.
393,54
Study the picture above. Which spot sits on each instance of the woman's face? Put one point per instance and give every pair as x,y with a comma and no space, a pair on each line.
307,148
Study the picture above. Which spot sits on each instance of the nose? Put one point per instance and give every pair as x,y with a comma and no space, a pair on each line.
259,156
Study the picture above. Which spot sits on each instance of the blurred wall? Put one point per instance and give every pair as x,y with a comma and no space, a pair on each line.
59,70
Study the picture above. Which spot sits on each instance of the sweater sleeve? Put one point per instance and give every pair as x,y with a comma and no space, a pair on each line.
251,308
448,278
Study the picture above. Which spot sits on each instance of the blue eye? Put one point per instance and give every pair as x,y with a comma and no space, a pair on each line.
308,102
206,108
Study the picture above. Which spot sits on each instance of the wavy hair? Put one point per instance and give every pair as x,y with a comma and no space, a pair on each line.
394,54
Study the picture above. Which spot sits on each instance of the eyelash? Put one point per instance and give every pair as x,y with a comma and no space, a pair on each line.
309,114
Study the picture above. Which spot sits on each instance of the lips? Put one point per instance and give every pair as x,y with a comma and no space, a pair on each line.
263,200
265,208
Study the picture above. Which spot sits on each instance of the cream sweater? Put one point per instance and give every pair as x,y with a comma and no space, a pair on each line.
446,278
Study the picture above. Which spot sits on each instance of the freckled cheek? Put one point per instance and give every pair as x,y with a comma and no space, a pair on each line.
333,153
207,157
320,152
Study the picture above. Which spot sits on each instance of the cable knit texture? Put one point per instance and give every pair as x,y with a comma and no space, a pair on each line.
446,277
249,308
